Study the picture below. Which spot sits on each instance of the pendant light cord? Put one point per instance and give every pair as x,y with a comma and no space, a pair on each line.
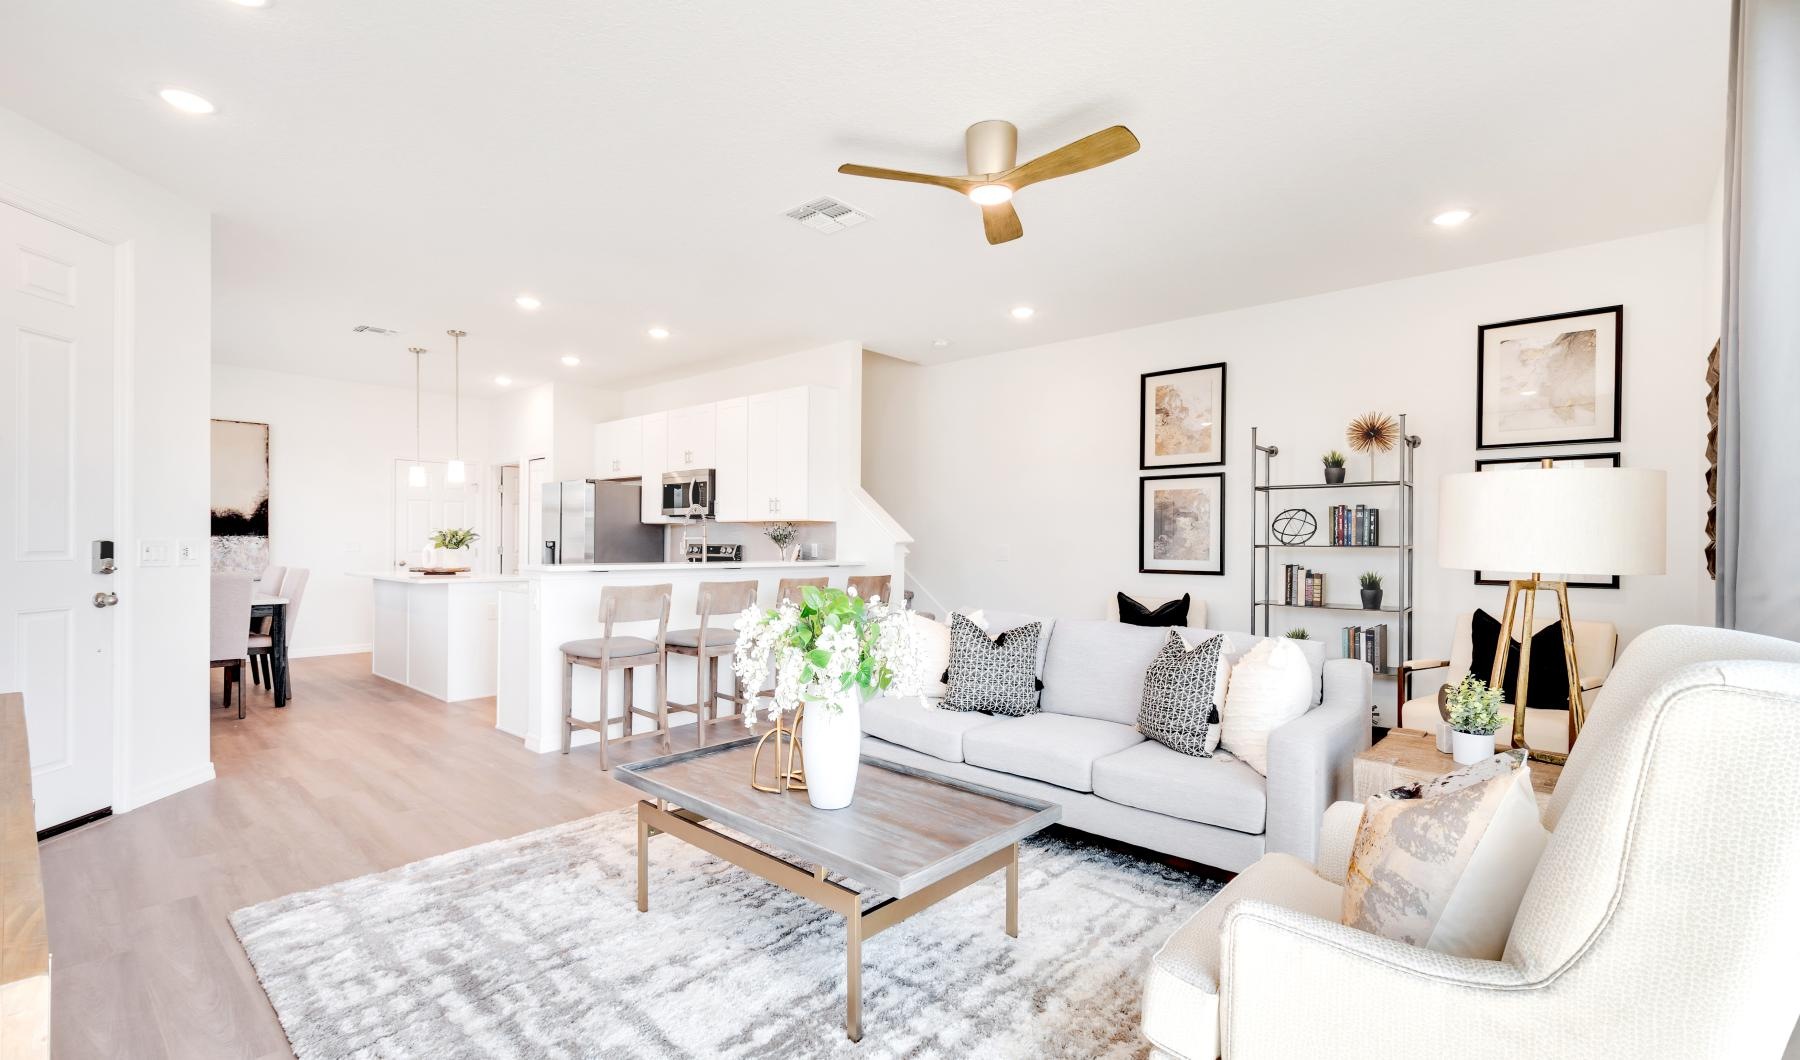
456,338
418,353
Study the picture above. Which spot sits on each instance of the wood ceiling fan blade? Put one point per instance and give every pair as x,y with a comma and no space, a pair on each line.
956,184
1001,222
1107,145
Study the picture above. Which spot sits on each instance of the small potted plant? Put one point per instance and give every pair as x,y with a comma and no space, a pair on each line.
449,542
1334,467
1298,633
1474,718
1371,590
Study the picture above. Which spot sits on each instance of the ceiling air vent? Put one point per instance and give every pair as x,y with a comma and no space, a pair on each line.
828,215
373,330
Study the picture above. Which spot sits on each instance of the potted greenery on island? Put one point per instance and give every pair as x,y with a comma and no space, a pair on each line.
447,544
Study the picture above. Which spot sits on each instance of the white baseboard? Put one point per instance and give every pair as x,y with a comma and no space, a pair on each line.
166,787
330,649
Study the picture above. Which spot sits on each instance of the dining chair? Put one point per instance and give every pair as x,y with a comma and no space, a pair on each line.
268,582
231,630
871,586
789,588
612,651
262,645
707,644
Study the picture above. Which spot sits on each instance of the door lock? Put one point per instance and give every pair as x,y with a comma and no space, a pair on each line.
106,599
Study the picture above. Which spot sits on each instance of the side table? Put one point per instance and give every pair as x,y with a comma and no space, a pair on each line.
1406,755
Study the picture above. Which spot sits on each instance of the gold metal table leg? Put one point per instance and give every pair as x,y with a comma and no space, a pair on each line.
643,852
1012,893
853,973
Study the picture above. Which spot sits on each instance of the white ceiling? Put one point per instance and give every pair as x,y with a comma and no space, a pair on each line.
417,163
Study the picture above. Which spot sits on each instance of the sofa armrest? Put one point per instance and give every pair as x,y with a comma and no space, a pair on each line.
1337,835
1310,759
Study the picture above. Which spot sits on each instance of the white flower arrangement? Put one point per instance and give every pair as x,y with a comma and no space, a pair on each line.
822,648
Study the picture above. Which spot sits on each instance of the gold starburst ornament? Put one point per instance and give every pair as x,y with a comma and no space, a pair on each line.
1372,432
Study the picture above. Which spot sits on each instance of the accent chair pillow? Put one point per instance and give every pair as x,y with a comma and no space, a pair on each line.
995,675
1501,764
1172,613
1270,686
1183,688
1447,872
1549,683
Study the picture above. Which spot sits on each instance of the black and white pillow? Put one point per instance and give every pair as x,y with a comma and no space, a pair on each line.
996,675
1180,709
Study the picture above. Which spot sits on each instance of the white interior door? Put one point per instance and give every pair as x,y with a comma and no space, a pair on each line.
420,511
56,499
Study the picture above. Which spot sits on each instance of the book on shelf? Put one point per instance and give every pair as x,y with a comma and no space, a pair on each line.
1301,587
1367,643
1358,525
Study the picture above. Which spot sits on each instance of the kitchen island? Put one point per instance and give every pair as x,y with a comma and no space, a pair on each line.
437,634
547,606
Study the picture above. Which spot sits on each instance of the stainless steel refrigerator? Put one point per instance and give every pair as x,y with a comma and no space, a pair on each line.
597,521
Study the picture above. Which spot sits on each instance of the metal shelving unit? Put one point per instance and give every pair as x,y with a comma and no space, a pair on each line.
1262,587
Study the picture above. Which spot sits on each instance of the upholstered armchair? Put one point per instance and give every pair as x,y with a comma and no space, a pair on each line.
1663,919
1546,727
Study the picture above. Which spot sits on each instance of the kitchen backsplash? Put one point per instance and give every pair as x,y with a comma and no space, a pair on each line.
818,539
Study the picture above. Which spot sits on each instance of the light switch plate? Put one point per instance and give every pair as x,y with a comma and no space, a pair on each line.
191,552
154,554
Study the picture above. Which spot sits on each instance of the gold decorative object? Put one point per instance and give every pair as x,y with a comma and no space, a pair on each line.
1372,432
790,769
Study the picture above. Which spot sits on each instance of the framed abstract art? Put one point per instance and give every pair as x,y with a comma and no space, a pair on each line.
1550,380
1181,524
1181,417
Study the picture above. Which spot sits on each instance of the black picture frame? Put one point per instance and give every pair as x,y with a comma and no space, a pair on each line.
1574,583
1144,493
1482,441
1219,427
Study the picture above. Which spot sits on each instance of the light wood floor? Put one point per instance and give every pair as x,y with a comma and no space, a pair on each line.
355,776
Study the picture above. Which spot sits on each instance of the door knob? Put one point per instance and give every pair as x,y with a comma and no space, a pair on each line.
106,599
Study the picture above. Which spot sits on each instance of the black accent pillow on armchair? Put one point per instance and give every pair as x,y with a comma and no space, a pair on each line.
1173,613
1549,687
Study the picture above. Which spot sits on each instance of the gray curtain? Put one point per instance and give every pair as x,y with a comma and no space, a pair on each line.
1759,422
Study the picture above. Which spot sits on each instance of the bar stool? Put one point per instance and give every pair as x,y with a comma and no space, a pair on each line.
871,586
707,645
609,652
789,588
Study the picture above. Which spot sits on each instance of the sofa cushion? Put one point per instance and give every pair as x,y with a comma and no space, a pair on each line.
926,729
1181,993
1000,621
1096,669
1054,748
1219,791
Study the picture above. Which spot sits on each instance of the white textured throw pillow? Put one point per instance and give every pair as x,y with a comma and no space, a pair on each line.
1270,686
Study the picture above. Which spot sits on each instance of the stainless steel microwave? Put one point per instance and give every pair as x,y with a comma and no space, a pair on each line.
688,494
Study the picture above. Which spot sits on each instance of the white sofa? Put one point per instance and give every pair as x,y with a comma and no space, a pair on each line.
1083,750
1663,919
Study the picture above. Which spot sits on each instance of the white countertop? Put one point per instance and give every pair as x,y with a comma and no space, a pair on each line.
538,570
439,579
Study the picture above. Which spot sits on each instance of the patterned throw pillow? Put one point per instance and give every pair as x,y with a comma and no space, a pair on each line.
996,675
1446,872
1181,696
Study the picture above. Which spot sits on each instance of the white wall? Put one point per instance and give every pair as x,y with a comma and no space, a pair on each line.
1017,473
332,448
165,265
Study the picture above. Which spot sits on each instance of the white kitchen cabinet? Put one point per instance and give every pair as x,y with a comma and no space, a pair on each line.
731,461
691,441
618,449
653,452
791,449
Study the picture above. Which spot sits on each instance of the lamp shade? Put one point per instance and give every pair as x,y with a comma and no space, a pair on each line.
1592,521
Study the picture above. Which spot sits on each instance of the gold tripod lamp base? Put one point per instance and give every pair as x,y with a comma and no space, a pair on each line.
1528,588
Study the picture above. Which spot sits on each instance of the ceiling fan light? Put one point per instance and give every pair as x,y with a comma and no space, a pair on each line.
991,194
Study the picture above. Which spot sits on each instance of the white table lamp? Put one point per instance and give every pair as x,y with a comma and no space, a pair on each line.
1593,521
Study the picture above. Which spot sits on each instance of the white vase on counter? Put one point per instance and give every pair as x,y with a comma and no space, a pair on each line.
831,742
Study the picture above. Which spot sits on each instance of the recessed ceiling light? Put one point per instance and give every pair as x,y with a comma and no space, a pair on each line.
186,102
1452,218
525,301
1022,312
659,333
571,360
503,380
940,343
990,194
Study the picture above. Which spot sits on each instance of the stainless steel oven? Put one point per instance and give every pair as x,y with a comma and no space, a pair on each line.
688,494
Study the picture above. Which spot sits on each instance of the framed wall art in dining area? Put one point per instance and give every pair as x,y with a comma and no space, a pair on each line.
240,497
1181,524
1521,463
1181,417
1550,380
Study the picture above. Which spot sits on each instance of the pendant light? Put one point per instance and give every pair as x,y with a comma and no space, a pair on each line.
454,473
415,475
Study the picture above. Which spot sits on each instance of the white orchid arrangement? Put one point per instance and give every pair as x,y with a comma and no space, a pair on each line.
823,647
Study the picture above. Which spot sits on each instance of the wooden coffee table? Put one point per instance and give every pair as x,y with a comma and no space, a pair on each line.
910,835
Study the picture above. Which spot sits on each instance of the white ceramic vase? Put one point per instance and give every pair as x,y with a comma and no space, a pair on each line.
831,742
1469,748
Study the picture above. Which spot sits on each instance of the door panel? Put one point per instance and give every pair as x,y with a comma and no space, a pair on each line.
56,495
438,505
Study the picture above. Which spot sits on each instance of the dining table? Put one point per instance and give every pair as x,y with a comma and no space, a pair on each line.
274,608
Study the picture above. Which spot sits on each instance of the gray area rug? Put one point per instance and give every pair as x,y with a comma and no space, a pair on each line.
533,947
